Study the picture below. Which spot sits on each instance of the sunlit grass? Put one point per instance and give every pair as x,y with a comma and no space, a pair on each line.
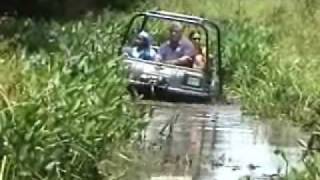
64,103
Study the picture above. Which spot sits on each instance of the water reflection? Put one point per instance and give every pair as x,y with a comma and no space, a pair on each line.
216,143
243,147
180,152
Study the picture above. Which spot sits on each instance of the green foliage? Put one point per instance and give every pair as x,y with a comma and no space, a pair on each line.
268,84
246,53
71,108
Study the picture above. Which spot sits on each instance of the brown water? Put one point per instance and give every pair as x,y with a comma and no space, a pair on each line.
206,142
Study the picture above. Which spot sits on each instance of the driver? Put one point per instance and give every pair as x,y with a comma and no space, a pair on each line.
178,50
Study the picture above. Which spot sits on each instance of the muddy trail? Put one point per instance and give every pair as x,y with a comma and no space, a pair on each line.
216,142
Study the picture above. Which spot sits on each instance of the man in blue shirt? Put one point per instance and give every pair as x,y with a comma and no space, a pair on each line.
178,50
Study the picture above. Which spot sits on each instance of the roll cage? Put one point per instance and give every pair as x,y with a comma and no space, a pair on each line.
198,21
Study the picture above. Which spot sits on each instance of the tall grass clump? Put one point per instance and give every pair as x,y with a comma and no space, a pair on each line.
70,109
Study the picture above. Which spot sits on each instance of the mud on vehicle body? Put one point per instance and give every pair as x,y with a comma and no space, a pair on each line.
156,78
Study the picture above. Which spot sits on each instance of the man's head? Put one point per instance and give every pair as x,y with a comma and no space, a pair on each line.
176,30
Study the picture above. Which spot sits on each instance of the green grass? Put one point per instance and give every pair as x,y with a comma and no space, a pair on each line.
64,103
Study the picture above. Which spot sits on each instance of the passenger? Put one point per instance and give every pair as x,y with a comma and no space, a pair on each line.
142,48
199,58
178,50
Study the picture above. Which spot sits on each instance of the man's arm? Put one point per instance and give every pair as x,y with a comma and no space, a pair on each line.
188,53
183,61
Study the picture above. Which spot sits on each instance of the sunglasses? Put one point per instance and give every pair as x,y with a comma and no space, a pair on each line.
196,38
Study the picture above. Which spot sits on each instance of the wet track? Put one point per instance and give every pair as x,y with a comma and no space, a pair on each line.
216,142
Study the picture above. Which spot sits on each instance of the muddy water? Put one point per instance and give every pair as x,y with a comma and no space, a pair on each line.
243,147
175,134
216,143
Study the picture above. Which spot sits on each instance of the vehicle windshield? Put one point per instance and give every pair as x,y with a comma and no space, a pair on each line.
167,42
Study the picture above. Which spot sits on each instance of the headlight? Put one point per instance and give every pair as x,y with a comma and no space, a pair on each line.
147,77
